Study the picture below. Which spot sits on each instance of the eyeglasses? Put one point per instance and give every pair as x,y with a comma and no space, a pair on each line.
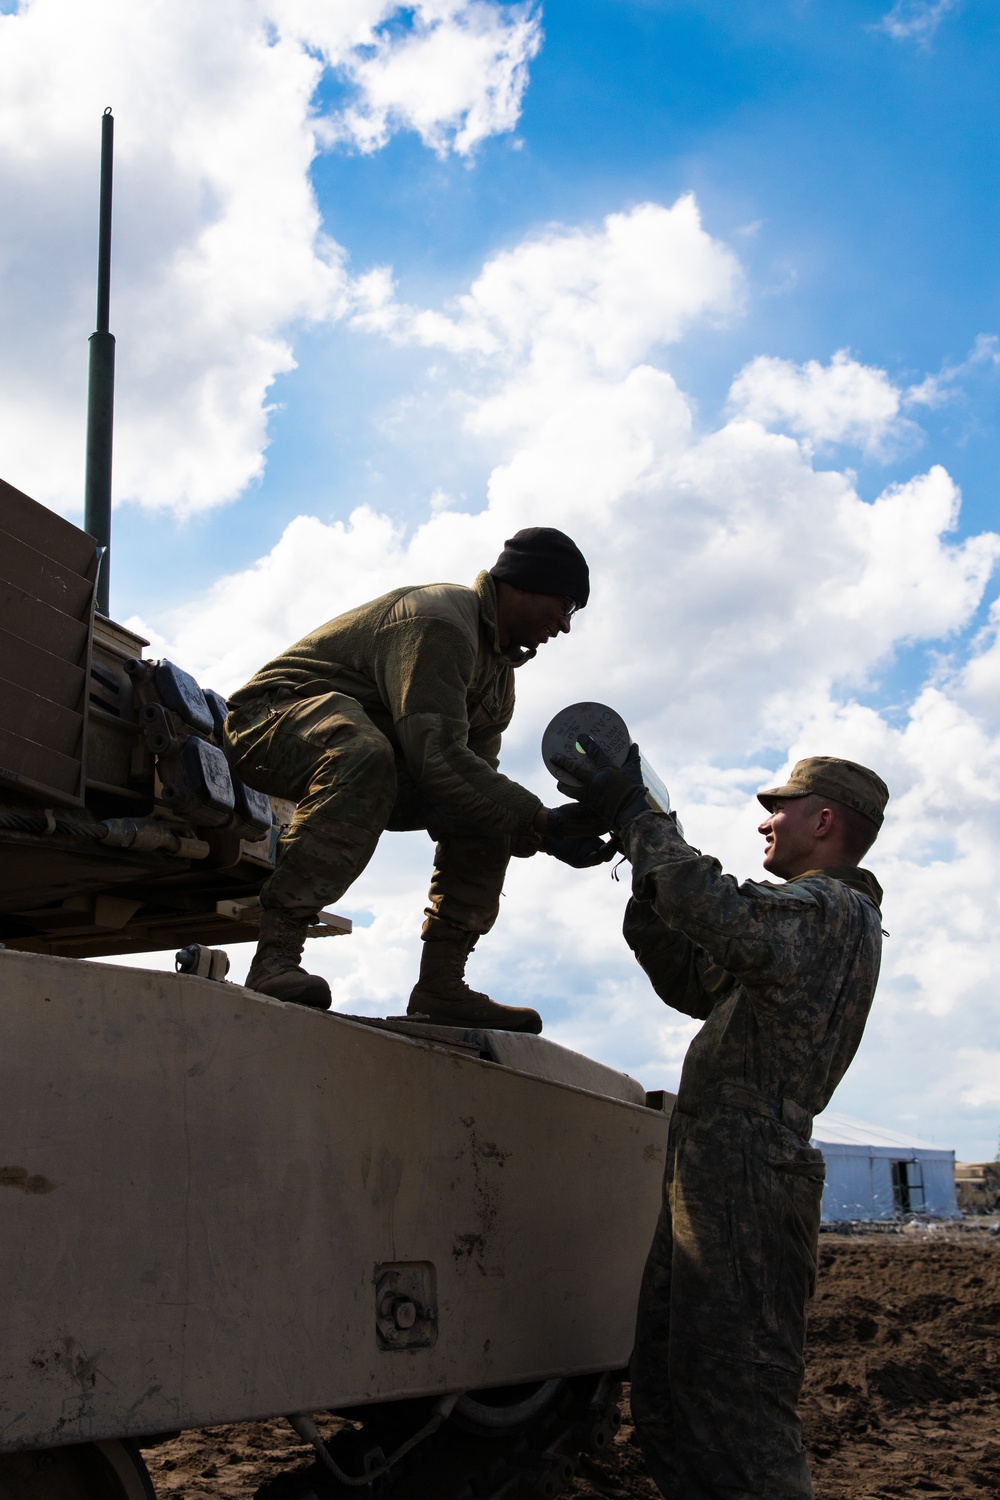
570,608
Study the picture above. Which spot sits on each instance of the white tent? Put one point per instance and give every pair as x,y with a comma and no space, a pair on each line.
873,1173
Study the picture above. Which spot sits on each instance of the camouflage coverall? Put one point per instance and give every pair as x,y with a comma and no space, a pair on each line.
784,976
390,717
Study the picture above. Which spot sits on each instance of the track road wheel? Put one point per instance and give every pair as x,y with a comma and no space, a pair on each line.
507,1443
85,1471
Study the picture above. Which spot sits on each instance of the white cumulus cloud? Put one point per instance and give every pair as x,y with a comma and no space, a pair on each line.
603,297
842,402
219,253
456,75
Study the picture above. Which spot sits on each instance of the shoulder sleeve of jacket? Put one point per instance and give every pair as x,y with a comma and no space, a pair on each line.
755,931
681,973
425,665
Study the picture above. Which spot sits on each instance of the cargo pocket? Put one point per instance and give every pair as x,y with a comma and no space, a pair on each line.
706,1234
800,1174
249,733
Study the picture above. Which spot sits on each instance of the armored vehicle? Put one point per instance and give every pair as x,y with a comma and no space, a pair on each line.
977,1186
217,1206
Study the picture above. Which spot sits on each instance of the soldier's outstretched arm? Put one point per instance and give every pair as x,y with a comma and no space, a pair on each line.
681,972
750,928
754,928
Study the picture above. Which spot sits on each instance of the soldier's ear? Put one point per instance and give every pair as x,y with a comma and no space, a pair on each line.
826,822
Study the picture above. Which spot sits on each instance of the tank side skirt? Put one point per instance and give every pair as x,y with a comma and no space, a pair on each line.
214,1202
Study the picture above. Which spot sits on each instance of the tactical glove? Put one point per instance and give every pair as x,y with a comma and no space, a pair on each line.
571,821
582,852
615,794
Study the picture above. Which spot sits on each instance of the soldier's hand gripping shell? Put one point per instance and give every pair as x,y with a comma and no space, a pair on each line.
615,794
571,821
582,852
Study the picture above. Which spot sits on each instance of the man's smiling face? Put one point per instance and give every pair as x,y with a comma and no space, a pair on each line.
529,620
790,835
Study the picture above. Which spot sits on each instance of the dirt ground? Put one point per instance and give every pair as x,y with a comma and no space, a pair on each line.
902,1393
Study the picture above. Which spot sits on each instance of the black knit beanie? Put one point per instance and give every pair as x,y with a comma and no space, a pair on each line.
541,560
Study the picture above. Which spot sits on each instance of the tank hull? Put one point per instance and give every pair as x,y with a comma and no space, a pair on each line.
215,1206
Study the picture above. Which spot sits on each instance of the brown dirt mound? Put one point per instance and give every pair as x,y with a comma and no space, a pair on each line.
902,1392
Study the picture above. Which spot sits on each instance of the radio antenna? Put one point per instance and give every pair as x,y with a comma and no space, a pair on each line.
101,385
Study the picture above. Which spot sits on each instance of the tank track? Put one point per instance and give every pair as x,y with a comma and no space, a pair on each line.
536,1462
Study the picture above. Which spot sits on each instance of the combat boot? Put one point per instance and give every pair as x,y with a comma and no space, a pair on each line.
442,996
276,971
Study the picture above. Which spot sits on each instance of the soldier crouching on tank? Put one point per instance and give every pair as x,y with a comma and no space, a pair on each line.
783,976
390,716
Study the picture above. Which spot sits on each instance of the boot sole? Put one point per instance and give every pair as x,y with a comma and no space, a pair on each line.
438,1018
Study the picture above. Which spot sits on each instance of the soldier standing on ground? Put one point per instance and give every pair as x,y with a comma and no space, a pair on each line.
783,976
390,716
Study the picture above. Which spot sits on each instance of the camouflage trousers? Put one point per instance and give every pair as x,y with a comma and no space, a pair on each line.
325,754
718,1361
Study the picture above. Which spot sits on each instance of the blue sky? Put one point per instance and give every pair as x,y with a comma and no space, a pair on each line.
587,263
854,171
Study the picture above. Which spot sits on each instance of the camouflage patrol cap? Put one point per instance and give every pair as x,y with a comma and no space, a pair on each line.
840,780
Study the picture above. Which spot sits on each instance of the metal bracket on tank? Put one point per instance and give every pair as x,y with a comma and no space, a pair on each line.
247,909
206,963
406,1305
